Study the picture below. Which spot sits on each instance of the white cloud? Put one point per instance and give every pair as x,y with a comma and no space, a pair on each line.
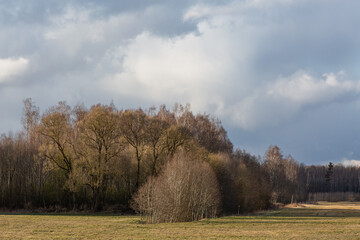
212,69
302,88
11,67
349,163
223,57
76,29
196,68
281,99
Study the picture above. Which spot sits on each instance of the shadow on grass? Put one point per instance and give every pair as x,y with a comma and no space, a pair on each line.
75,214
308,212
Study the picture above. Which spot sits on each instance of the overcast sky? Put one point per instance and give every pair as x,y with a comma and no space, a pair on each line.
278,72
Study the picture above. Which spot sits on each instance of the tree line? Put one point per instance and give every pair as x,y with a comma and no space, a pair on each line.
167,164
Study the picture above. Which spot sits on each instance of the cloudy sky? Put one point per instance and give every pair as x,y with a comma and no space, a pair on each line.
279,72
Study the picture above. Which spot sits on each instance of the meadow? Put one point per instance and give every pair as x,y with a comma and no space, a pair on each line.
322,220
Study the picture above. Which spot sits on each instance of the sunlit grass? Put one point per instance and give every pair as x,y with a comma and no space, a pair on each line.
318,221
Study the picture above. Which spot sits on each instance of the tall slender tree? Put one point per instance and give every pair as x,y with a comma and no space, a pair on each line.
99,143
133,125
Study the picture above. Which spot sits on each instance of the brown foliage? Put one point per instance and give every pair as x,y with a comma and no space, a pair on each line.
78,157
133,128
98,144
58,134
243,182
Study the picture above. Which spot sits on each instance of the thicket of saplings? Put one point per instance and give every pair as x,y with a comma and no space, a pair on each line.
167,165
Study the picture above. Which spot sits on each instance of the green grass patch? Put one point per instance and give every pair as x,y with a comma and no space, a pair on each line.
318,221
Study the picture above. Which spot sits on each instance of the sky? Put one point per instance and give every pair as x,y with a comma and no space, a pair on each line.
275,72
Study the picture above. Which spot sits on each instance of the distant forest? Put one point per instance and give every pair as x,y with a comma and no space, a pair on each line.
167,164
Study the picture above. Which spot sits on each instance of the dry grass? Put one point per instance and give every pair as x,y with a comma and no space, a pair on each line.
308,221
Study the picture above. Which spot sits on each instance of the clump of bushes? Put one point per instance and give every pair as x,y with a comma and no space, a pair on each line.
187,190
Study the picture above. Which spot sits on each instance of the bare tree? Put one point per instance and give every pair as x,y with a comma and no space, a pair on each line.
274,165
291,173
283,173
187,190
155,139
56,127
176,136
133,126
30,119
99,143
59,141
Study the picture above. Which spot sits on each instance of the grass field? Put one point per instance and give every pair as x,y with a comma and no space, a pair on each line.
309,221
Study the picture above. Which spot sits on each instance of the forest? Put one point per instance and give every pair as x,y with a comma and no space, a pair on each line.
168,165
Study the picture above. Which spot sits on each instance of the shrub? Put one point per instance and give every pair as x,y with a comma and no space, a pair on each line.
187,190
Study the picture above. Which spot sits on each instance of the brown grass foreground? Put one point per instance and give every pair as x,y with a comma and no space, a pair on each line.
309,221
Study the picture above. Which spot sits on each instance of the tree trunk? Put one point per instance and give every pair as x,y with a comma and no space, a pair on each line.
138,169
